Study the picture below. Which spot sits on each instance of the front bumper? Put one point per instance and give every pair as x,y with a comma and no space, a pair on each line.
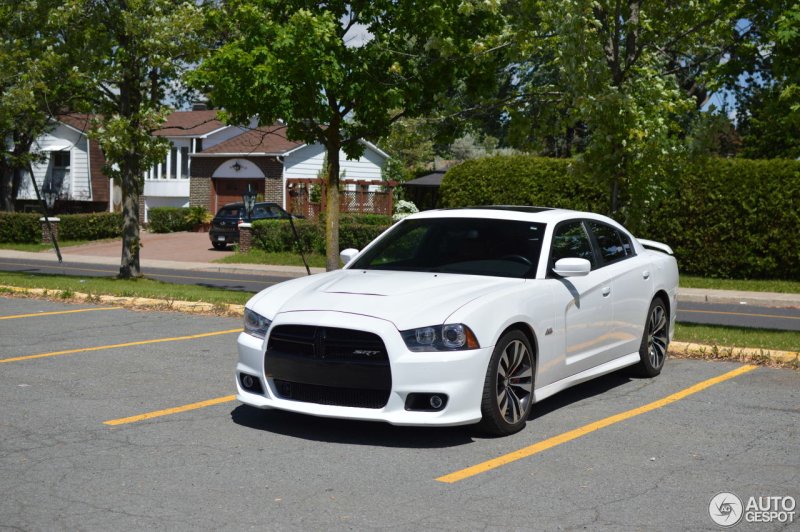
457,374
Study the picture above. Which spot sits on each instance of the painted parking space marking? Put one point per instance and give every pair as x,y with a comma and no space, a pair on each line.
55,313
587,429
116,346
741,314
170,411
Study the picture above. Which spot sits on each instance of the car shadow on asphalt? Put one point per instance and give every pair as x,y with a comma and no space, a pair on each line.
385,435
348,431
580,392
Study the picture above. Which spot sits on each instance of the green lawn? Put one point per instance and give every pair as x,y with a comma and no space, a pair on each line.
42,247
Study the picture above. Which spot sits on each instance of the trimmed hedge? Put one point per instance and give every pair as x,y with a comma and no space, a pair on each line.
20,228
521,180
277,236
169,219
731,218
26,228
93,226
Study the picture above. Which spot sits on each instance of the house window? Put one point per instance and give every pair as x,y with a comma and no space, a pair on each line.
58,170
173,164
184,163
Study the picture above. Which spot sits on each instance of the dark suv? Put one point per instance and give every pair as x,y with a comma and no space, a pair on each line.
225,225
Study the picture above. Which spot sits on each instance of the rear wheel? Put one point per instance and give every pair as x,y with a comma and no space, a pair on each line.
219,245
655,339
508,388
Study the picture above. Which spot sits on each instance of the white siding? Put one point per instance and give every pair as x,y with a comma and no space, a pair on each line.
307,162
77,184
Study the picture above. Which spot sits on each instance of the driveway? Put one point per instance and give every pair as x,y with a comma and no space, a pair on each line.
182,246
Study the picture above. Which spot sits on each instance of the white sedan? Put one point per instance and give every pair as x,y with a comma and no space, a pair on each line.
462,316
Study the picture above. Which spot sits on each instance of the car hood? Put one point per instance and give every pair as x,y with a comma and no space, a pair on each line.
407,299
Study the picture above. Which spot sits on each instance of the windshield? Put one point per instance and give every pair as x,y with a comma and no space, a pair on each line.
475,246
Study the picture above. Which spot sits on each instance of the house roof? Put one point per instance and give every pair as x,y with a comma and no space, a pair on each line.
270,140
190,124
78,121
433,179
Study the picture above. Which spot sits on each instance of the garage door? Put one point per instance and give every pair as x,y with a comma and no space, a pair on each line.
228,190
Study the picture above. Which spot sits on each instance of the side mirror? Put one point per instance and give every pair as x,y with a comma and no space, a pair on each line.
572,267
349,254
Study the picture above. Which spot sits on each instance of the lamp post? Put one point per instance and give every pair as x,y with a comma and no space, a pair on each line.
249,200
50,196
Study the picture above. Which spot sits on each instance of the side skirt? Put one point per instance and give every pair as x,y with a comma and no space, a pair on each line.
589,374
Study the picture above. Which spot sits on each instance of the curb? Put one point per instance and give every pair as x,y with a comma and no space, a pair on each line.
786,359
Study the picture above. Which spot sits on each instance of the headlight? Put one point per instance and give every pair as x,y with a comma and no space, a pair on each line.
450,337
255,324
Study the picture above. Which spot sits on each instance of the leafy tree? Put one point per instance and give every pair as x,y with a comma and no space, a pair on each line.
134,51
622,74
335,71
36,83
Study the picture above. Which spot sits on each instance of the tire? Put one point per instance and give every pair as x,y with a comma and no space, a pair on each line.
219,245
655,340
505,405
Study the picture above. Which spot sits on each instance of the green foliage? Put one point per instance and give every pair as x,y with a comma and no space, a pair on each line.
727,218
20,227
197,214
277,236
170,219
521,180
732,218
93,226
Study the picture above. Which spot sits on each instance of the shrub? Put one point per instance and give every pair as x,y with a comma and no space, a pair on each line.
277,236
169,219
20,228
733,218
521,180
93,226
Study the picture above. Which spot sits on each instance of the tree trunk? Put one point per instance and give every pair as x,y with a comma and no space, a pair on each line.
7,175
131,243
332,208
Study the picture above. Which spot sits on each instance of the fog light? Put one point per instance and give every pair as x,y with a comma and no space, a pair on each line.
250,383
247,382
436,402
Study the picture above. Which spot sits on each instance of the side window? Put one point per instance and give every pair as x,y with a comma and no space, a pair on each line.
570,240
614,245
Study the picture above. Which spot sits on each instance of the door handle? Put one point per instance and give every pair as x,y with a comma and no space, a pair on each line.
646,274
606,291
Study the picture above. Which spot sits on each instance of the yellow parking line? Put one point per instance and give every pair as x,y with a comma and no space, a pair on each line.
114,346
741,314
586,429
54,313
168,411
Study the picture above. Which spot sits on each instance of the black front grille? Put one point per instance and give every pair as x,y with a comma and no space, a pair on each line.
329,365
330,395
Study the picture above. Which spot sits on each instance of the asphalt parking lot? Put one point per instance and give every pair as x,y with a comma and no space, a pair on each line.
115,419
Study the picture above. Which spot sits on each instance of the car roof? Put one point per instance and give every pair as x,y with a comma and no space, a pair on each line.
546,215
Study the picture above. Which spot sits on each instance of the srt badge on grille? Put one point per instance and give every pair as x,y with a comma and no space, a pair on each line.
366,353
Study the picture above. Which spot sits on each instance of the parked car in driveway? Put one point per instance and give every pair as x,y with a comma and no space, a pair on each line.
462,316
225,225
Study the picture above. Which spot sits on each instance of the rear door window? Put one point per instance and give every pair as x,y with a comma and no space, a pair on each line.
614,245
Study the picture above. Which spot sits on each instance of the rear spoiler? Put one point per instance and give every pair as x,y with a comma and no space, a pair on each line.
656,246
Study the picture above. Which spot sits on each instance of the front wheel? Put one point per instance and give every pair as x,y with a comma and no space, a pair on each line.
655,339
508,388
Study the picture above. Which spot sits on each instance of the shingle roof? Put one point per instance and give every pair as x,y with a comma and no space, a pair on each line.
79,121
266,139
190,124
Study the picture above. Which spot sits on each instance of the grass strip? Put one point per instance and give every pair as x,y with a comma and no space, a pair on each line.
258,256
737,337
747,285
142,287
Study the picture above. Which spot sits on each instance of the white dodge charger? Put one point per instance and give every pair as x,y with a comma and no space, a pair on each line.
461,316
